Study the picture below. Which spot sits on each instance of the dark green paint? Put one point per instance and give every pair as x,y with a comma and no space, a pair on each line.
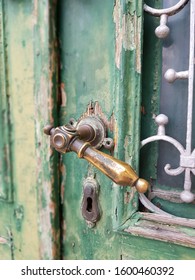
178,209
151,78
139,248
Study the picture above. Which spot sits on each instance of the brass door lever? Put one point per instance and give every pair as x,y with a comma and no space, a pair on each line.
78,139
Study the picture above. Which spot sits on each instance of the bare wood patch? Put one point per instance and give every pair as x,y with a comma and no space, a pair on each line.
117,21
3,240
95,109
163,230
169,220
127,34
164,235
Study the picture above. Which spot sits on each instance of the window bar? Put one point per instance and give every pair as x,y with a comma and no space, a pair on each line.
187,156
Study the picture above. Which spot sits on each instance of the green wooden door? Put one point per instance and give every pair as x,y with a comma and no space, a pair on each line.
101,67
60,60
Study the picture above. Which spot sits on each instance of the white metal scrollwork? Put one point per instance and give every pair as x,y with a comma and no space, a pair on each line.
187,155
163,30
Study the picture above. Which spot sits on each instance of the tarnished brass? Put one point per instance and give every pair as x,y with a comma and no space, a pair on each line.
118,171
91,129
67,138
90,205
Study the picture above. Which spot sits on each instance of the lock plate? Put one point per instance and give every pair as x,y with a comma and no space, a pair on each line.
97,128
90,203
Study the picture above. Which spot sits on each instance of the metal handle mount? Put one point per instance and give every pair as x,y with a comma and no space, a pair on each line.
83,139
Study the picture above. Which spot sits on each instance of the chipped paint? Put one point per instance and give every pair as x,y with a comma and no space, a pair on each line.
109,123
139,45
19,216
127,34
129,197
118,32
143,110
20,81
63,95
3,240
94,108
46,98
62,168
5,122
34,172
129,24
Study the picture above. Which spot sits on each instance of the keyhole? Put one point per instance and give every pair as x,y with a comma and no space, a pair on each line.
89,204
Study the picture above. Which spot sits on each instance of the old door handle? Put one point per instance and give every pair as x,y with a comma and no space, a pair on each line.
68,138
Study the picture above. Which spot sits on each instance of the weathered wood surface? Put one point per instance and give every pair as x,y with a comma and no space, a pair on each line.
30,222
19,218
101,63
46,104
169,220
156,230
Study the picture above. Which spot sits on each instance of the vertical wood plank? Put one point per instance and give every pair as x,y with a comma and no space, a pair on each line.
128,19
46,102
31,222
20,217
101,63
6,190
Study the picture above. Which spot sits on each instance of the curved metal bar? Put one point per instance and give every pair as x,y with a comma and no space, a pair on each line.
173,172
168,11
150,206
167,168
163,138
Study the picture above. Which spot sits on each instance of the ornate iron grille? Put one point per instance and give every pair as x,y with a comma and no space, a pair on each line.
187,153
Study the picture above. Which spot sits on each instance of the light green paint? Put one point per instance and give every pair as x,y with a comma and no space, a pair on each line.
30,85
18,81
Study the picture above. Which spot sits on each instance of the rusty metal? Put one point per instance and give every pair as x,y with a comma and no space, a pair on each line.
67,138
108,143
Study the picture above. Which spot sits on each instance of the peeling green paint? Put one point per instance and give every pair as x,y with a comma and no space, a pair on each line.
6,186
150,93
31,87
115,97
101,63
46,100
119,94
19,216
